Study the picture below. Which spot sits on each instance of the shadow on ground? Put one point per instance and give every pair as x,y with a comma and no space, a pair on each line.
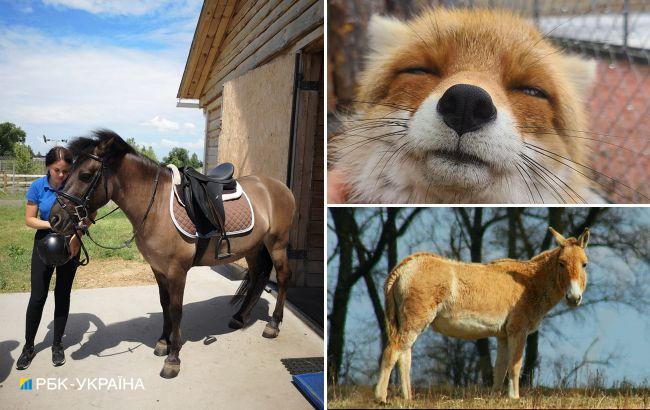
202,321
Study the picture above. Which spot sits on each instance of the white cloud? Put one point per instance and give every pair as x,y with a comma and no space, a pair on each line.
163,8
189,145
119,7
67,86
162,124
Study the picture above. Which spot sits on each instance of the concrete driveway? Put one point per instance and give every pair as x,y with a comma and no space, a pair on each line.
109,350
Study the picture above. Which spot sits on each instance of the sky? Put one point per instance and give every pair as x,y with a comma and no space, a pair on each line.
70,66
619,330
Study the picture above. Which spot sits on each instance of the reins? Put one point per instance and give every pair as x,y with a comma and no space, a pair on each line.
82,206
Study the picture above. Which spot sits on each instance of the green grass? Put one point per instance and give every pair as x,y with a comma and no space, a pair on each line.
12,195
477,398
16,243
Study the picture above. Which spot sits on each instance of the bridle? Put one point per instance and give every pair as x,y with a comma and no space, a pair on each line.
81,204
81,207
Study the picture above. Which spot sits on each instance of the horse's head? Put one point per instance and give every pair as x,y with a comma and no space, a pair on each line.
89,185
572,265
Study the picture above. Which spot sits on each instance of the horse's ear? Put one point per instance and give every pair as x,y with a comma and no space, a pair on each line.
583,240
561,240
104,146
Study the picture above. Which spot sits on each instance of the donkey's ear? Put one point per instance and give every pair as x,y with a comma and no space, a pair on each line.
104,146
561,240
583,240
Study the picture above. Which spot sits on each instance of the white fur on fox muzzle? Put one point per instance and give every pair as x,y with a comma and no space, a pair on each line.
574,293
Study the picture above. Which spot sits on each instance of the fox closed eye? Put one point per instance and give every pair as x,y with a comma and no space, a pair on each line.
533,92
418,71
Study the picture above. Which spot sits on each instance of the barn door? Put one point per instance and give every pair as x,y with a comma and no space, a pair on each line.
306,168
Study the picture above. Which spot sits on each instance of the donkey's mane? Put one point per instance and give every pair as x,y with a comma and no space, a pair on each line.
544,255
82,146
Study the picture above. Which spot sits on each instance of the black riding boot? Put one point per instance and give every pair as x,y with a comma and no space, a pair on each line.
58,358
25,358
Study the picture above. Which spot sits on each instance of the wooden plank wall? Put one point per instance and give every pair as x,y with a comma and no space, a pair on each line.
306,240
257,32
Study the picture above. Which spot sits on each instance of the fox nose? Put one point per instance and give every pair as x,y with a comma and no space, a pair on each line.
466,108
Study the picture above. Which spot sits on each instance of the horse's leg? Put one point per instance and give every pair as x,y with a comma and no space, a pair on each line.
283,274
162,345
259,270
176,286
500,364
516,345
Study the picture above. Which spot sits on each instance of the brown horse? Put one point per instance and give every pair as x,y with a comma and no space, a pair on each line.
107,168
505,298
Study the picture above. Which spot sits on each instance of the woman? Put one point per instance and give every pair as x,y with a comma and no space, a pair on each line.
40,198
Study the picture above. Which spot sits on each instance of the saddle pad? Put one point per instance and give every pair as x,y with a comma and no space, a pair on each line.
239,215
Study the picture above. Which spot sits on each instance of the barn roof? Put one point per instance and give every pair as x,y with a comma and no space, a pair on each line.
208,37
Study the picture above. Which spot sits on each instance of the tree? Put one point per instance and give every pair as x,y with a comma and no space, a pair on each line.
177,156
9,135
194,161
352,249
147,152
23,155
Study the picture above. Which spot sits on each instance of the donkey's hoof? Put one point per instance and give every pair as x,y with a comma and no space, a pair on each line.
170,370
271,331
161,349
235,323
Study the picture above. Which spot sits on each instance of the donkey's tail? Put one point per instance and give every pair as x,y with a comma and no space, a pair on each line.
255,282
392,317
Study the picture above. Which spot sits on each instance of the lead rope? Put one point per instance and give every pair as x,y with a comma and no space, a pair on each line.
128,242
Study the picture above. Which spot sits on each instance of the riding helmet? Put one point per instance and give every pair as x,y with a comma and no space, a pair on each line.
53,249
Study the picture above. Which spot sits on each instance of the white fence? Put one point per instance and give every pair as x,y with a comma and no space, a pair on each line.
14,183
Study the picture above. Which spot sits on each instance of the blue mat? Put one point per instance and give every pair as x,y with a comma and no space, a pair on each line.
312,385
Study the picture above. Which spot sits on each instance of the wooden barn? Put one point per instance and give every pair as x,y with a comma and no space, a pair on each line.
255,68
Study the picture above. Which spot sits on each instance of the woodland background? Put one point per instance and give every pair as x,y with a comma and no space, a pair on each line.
596,344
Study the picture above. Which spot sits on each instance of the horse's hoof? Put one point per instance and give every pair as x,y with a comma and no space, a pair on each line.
235,324
271,331
170,370
161,349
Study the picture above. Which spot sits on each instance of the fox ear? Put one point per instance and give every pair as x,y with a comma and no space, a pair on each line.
385,32
581,73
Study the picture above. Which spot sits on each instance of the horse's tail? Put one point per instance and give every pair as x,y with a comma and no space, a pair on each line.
255,282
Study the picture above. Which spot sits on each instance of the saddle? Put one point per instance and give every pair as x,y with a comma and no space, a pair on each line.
203,194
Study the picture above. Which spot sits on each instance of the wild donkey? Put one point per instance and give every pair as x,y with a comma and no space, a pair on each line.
504,298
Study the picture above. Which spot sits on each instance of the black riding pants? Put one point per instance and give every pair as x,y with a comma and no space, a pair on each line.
41,275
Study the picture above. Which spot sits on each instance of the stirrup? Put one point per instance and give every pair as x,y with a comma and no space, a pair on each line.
222,237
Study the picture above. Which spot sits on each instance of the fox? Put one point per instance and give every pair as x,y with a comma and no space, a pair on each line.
465,106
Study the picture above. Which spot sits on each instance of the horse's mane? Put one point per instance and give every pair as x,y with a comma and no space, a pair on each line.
82,146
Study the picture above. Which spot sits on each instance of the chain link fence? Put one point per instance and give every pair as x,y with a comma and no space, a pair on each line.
616,33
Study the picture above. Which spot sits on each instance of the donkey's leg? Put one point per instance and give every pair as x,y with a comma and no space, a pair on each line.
162,345
500,364
388,360
516,345
404,365
283,274
176,281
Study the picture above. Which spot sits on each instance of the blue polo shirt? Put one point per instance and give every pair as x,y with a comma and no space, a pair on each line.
42,194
